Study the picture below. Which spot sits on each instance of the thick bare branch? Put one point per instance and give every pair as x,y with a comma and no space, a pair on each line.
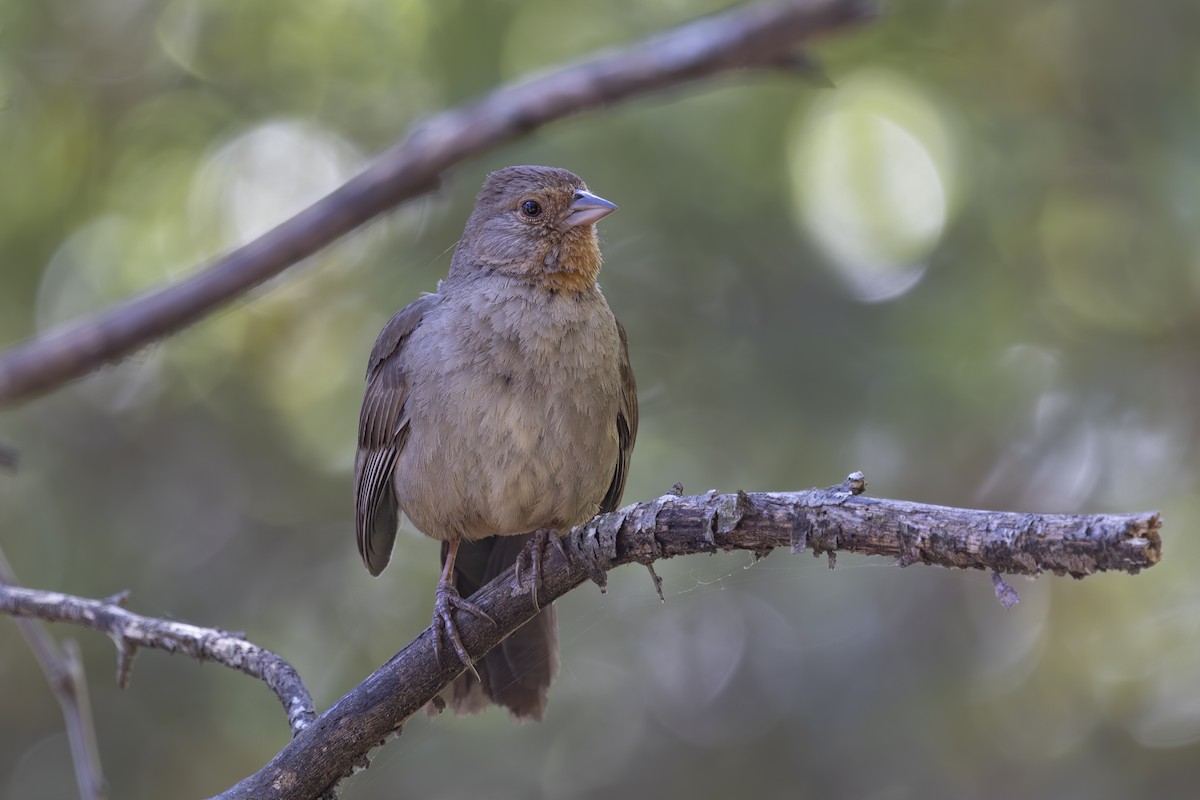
761,36
819,521
130,631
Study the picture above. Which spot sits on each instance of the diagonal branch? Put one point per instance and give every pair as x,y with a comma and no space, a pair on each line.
821,521
130,631
756,36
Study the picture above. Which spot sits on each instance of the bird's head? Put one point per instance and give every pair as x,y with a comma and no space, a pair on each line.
536,223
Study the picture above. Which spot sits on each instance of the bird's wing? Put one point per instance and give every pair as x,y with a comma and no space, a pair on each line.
627,424
382,432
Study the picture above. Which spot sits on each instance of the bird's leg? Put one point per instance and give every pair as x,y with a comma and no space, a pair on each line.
446,601
534,554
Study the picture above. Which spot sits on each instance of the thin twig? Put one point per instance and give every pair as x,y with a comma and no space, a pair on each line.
130,631
822,521
763,36
81,732
63,669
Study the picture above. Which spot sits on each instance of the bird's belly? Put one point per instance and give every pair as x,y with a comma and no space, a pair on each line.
553,468
501,456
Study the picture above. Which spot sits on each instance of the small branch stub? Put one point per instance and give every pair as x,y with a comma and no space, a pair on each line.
1006,594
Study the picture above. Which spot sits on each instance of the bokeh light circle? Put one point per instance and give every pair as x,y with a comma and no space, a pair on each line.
872,175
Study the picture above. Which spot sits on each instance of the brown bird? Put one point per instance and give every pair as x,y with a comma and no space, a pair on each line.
499,411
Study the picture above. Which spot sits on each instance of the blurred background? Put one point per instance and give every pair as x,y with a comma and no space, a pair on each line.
971,270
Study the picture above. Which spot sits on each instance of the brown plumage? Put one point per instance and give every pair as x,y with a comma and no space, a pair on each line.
501,405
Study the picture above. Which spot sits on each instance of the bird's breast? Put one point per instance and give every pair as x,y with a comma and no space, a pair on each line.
512,408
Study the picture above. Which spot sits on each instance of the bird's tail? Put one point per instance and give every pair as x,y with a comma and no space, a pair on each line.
517,673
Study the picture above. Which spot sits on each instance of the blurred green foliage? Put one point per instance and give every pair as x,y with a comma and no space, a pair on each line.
971,271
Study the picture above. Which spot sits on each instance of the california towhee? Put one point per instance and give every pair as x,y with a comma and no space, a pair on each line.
498,411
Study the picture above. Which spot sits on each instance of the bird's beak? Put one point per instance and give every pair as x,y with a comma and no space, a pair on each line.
587,208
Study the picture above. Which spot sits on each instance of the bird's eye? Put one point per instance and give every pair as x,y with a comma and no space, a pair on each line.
531,208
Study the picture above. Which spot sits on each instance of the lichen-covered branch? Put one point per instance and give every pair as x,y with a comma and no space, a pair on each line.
838,519
131,631
764,36
824,521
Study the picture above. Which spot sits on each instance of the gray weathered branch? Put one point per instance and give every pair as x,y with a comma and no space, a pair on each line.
823,521
818,521
130,631
756,36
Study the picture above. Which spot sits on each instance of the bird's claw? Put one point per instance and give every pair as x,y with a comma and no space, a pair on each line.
533,556
446,601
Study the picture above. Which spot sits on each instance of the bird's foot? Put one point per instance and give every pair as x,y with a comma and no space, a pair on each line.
533,556
446,601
